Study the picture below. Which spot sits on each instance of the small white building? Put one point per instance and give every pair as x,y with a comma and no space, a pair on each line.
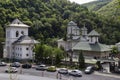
18,45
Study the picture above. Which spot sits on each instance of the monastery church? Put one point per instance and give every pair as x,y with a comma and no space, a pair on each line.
78,39
18,45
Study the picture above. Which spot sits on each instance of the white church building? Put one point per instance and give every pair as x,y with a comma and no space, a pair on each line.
18,45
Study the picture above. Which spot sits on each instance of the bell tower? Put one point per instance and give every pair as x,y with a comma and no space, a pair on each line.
93,37
72,30
13,32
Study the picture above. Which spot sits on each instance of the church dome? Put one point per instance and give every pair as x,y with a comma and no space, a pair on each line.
17,23
71,23
93,33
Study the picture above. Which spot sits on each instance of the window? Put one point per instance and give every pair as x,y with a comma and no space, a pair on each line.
91,39
22,32
27,54
13,48
7,42
8,34
27,48
17,33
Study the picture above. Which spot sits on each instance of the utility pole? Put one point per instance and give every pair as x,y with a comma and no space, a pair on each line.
33,55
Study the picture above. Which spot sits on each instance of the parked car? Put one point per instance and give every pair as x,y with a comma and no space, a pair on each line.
26,66
117,70
15,64
51,68
41,67
63,71
11,70
77,73
89,70
3,64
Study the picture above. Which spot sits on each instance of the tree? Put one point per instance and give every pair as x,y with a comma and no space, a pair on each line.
48,53
99,66
39,50
119,3
1,40
114,51
58,55
81,60
57,59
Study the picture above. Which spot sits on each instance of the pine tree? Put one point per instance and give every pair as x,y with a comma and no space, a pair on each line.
81,60
57,60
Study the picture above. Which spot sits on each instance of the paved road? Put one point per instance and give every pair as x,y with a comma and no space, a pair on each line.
4,76
33,72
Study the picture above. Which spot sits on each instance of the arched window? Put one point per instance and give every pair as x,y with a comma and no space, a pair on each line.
27,54
22,32
17,33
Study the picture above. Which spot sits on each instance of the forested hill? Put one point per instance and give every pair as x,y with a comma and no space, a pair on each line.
49,18
96,5
110,9
106,8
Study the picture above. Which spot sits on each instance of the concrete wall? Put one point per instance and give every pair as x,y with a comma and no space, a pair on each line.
91,54
23,52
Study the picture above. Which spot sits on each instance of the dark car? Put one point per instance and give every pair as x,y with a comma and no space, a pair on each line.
41,67
117,70
15,64
26,66
89,70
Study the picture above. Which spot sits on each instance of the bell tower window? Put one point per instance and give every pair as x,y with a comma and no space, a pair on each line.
22,32
17,33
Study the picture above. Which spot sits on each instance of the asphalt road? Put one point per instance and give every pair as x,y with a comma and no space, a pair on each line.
4,76
33,72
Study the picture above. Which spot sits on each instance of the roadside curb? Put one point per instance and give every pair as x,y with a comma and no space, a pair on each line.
107,74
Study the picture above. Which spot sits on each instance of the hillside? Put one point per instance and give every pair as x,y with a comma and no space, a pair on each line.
49,18
96,5
110,10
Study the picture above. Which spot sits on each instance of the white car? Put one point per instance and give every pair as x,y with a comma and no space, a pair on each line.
41,67
3,64
77,73
11,70
63,71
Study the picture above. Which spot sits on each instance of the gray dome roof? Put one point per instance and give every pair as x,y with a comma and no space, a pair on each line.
93,33
17,23
84,28
25,40
71,23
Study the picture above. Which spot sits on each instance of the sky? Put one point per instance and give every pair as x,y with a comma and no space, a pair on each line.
81,1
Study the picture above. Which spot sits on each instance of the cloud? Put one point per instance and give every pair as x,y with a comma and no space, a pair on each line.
81,1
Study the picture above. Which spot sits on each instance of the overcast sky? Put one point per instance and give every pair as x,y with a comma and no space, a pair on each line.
81,1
